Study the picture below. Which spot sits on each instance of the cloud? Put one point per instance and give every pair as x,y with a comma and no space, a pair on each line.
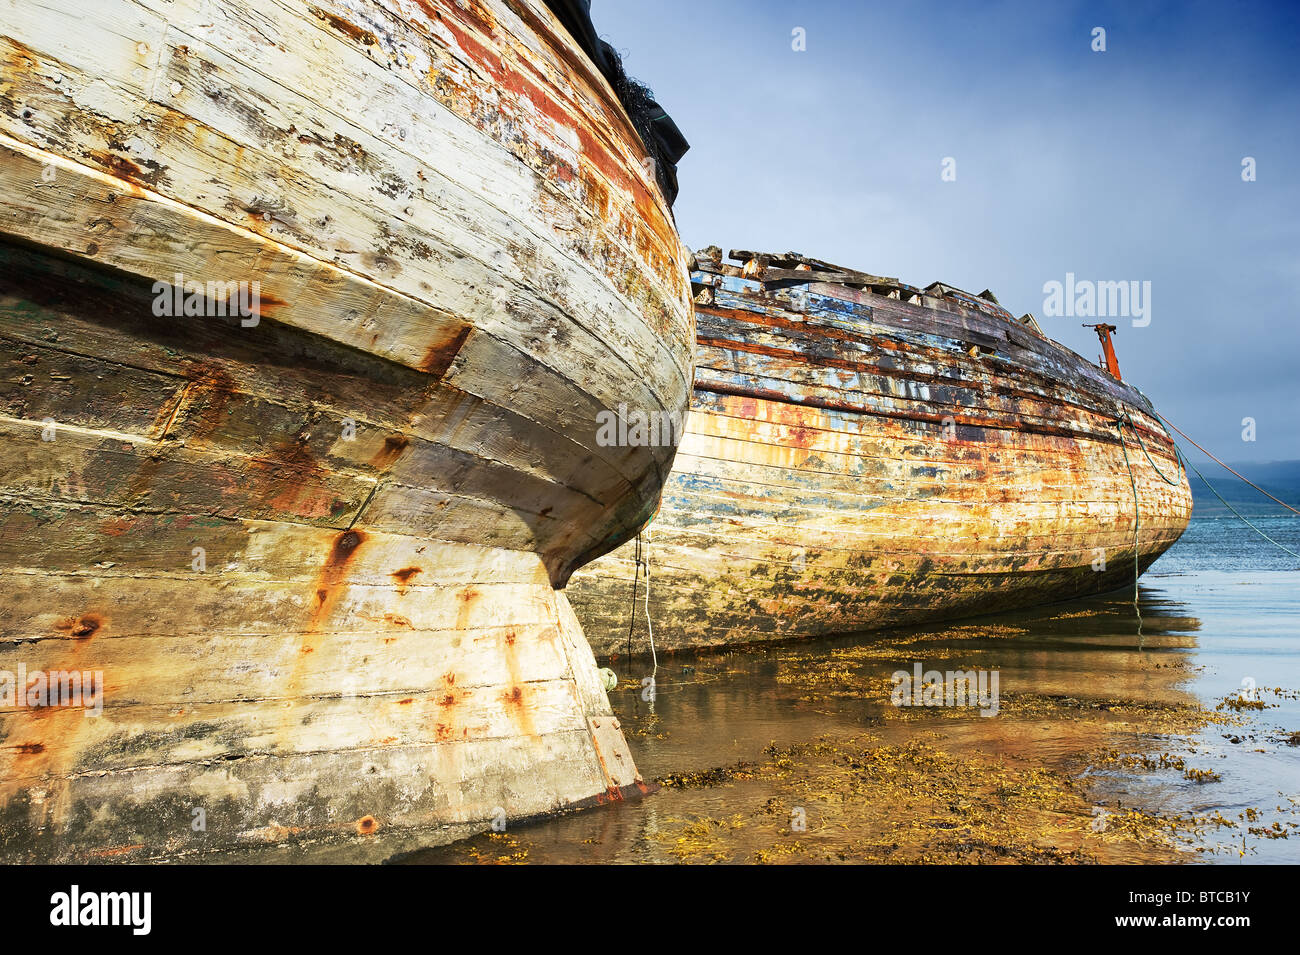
1115,166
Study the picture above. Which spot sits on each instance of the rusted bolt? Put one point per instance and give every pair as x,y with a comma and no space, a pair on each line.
347,543
85,627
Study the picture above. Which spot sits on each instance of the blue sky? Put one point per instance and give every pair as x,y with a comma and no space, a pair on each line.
1117,166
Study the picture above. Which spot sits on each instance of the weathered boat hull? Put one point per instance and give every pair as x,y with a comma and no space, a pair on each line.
862,457
313,548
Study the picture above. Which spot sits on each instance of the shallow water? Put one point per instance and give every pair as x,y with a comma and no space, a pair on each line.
1107,745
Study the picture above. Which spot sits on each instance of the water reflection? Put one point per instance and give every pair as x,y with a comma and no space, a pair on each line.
1102,750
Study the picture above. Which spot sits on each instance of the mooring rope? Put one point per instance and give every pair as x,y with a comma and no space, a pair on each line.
1155,467
1184,464
649,628
1234,510
1217,461
1137,572
636,574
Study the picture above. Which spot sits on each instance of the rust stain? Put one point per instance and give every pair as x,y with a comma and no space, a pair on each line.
801,437
448,702
515,697
393,447
481,16
203,404
333,575
22,60
467,598
611,794
277,833
404,575
115,851
126,169
291,467
289,480
367,825
82,628
42,757
351,30
267,305
209,393
439,356
330,584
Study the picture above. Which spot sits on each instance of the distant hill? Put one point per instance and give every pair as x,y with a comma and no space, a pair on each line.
1279,478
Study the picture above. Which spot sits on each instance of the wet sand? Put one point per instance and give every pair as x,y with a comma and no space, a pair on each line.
1109,745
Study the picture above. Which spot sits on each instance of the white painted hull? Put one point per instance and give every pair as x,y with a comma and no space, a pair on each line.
388,468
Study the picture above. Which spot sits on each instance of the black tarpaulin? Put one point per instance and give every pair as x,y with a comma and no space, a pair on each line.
656,128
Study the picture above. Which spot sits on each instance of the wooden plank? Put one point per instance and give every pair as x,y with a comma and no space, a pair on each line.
461,259
253,392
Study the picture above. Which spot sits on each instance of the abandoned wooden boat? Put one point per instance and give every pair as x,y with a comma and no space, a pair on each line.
310,312
861,453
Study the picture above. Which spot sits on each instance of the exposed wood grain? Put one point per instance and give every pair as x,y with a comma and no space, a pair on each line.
313,550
